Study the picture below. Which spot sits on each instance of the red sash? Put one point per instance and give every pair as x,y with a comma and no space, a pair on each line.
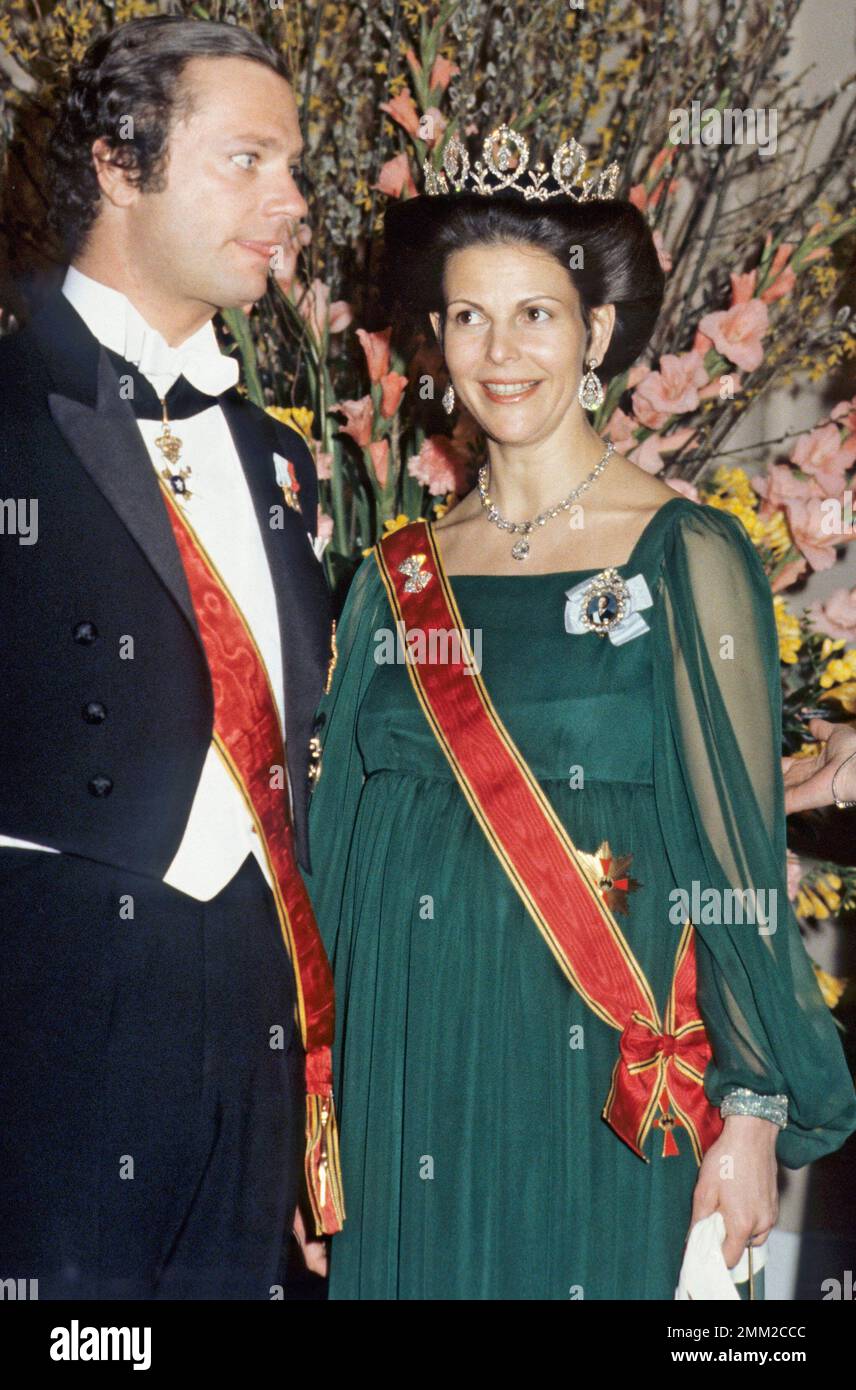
657,1079
248,738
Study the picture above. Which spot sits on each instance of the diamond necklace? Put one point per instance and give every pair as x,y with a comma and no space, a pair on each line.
520,549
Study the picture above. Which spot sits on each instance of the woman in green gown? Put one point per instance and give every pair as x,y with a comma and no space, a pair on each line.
470,1075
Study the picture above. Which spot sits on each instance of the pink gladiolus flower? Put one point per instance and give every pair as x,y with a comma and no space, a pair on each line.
684,487
431,126
781,277
779,486
794,874
442,73
379,454
358,416
315,308
402,108
325,526
819,251
313,305
376,348
637,374
673,390
822,454
620,428
437,466
662,254
714,388
341,314
286,265
743,287
845,414
805,520
647,455
789,574
392,389
638,197
324,465
782,285
736,333
837,616
395,178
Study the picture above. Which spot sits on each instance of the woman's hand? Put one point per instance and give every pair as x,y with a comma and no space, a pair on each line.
313,1249
808,781
738,1178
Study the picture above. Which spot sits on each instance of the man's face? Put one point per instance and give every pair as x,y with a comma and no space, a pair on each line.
230,198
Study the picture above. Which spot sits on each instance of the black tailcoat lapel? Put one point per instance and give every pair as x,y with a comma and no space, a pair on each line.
100,428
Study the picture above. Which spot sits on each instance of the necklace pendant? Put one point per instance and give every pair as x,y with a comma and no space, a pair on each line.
520,549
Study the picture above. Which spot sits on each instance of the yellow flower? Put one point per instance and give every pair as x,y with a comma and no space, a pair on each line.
774,534
297,416
845,694
788,628
836,673
442,507
831,987
830,646
817,907
827,892
735,481
395,524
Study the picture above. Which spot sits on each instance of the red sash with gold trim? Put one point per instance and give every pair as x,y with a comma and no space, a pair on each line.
248,737
657,1079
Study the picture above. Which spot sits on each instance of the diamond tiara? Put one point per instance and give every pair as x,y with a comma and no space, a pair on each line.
501,170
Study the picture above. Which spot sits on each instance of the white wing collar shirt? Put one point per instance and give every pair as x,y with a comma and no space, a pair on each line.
219,833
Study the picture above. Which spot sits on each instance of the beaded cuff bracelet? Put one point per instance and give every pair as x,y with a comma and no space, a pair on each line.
742,1101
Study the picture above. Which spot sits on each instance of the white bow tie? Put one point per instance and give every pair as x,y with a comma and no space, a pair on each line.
114,321
199,359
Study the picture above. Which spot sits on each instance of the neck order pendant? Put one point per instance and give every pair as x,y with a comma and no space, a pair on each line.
171,446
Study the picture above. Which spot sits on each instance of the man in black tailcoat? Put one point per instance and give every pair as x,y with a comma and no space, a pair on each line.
151,1135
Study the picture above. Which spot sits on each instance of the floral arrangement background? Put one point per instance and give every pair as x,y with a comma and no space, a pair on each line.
758,253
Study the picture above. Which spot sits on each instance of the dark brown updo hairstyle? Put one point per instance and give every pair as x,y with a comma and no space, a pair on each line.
620,262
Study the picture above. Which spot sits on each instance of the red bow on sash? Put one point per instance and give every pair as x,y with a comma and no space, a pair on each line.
248,737
665,1067
660,1065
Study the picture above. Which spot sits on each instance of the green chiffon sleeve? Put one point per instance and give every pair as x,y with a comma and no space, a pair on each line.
335,797
720,800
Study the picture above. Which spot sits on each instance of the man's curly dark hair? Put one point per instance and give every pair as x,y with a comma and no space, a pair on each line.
127,90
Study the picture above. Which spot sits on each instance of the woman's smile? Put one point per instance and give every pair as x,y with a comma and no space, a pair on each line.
504,392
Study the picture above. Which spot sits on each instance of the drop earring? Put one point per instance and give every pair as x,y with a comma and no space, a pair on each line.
449,399
590,391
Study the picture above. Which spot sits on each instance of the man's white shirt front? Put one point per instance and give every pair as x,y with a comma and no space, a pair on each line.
219,832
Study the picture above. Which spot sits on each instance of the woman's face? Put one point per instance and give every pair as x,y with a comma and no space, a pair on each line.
514,339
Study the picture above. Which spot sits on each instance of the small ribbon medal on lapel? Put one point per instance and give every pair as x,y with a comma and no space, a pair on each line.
287,479
609,606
